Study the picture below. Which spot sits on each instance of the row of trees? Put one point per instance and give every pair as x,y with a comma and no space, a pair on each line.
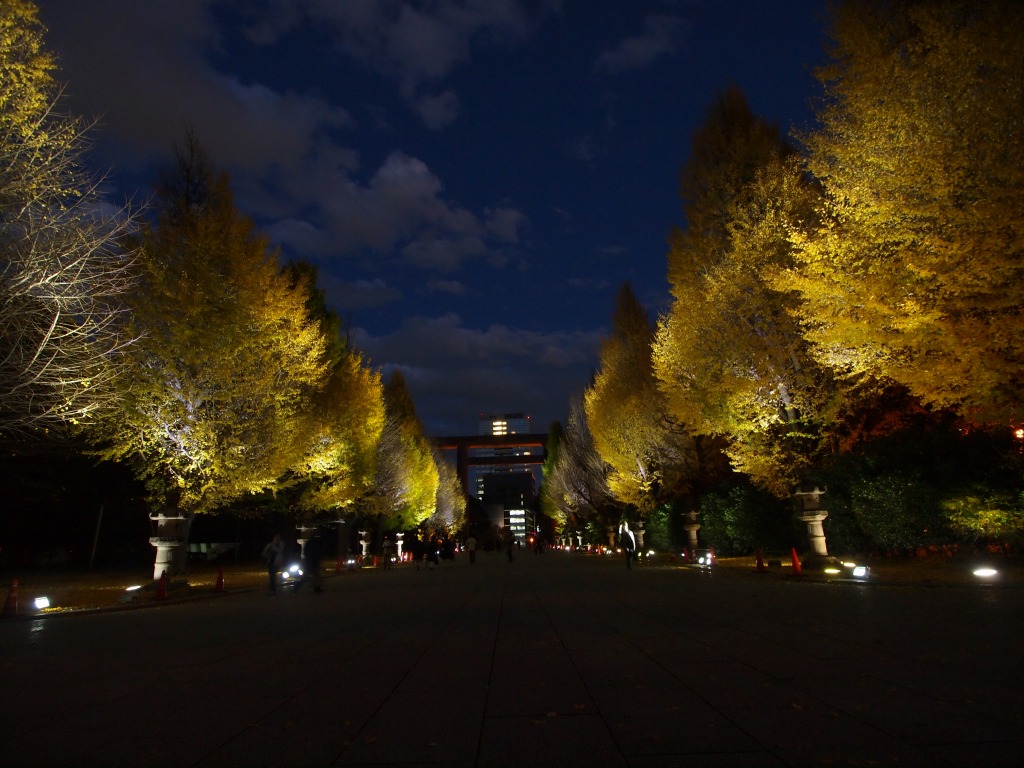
174,341
864,282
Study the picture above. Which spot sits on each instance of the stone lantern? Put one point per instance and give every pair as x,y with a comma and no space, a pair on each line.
364,540
810,512
170,534
691,526
305,533
398,544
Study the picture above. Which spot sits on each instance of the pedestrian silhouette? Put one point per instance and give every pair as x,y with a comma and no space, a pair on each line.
628,543
273,556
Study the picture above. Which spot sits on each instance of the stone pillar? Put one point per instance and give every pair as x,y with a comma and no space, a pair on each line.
398,544
364,540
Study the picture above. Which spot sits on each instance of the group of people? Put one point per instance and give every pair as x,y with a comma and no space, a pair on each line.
278,555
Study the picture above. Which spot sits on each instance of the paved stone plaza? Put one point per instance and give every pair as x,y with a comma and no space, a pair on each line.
552,660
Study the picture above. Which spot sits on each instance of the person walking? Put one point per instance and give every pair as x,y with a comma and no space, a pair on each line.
273,556
418,550
433,553
628,543
471,548
314,554
389,552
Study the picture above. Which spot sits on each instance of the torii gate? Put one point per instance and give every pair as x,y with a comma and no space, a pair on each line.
463,445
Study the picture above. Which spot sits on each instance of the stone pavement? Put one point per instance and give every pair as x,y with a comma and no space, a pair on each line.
552,660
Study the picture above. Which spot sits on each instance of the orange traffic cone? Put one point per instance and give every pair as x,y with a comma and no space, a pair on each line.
760,561
161,586
11,606
711,556
797,568
220,581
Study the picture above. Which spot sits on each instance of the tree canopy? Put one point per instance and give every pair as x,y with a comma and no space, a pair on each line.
627,413
406,486
228,358
916,274
63,270
729,355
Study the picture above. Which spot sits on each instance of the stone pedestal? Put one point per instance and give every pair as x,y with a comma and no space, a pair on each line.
364,541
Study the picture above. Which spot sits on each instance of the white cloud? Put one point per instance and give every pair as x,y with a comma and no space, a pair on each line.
499,369
113,53
400,211
453,287
351,296
505,223
660,37
288,167
439,111
413,43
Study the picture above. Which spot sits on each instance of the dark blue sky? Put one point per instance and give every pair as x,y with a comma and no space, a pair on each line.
474,179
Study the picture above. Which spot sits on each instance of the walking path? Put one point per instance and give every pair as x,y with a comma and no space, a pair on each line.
552,660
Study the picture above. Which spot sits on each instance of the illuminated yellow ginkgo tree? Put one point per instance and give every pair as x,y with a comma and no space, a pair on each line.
63,268
916,274
228,358
346,421
406,484
651,457
729,354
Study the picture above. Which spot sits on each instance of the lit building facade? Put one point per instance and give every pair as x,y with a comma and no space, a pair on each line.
510,488
504,424
500,469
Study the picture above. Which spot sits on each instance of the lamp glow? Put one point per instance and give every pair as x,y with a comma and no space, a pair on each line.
986,573
42,603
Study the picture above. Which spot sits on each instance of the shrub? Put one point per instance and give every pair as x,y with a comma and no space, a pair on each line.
898,512
978,513
737,520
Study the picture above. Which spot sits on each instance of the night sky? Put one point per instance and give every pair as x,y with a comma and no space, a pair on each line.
474,179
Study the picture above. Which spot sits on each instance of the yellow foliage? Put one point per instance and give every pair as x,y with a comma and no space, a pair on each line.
917,273
26,72
347,420
227,363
